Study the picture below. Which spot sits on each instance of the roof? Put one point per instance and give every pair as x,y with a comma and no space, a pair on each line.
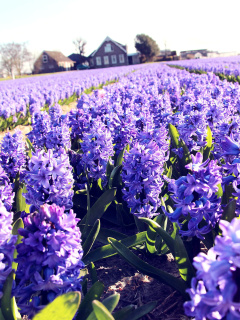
58,56
121,46
75,57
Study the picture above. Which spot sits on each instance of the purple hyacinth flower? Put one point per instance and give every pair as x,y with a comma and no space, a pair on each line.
214,292
49,258
97,150
7,245
141,174
49,179
6,191
13,153
230,147
195,199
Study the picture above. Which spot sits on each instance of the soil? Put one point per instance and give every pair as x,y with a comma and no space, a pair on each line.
138,289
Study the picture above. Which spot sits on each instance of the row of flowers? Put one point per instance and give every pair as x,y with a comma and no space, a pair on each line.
165,143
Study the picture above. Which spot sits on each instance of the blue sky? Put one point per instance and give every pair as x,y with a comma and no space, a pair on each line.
181,25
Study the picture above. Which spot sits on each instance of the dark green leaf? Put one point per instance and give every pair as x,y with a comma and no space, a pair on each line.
166,237
100,206
64,307
86,308
91,237
18,224
108,250
1,315
147,269
185,267
8,302
29,144
142,311
114,177
229,211
123,313
93,273
120,157
169,173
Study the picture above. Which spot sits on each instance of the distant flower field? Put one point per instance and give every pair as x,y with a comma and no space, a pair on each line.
145,166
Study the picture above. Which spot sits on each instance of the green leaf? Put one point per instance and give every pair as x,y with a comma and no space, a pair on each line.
187,156
29,144
185,267
18,224
151,236
93,273
91,237
110,303
120,157
100,206
99,182
8,305
208,147
219,193
166,237
21,201
109,169
108,250
174,135
101,312
169,173
147,269
123,313
114,177
229,211
141,311
64,307
86,308
1,315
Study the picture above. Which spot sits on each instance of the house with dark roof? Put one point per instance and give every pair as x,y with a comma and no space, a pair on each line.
52,61
109,54
80,61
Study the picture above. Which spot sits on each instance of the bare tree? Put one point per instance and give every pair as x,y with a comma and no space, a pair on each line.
80,44
13,56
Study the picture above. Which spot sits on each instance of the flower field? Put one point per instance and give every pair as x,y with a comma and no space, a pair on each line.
143,171
225,67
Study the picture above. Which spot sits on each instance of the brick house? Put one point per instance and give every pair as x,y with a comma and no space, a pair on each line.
109,54
52,61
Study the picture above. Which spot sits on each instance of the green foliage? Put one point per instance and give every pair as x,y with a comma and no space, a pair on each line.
146,46
64,307
147,269
86,308
8,304
108,250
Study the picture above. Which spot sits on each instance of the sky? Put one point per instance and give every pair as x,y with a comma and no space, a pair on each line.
178,25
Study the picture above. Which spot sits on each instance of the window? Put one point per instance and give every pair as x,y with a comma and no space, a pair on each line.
108,47
106,60
45,58
98,61
114,59
91,62
121,58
